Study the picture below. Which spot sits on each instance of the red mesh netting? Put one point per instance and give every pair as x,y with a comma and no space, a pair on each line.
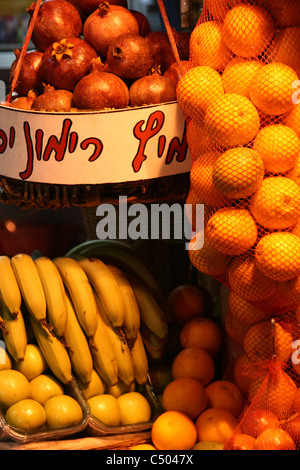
240,97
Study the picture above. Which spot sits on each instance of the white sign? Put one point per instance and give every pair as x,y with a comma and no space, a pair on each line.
93,147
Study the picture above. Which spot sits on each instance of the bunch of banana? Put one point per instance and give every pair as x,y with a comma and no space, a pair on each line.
14,333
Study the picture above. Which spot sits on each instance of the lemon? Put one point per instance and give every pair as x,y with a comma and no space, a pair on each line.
95,387
27,415
45,387
105,408
62,411
33,364
119,389
13,387
134,407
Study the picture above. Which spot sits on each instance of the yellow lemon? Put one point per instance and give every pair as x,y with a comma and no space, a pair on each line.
34,363
28,415
105,407
134,408
44,387
62,411
13,387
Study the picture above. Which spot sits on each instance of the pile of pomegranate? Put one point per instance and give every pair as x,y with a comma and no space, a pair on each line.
96,55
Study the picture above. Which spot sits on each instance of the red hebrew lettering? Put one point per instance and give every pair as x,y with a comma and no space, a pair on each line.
56,145
98,147
152,128
177,147
28,171
12,135
3,144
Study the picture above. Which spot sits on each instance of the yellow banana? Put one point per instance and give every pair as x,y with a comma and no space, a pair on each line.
106,287
154,345
30,285
77,347
53,350
122,255
55,294
81,293
104,358
14,333
9,288
150,311
140,360
120,348
131,324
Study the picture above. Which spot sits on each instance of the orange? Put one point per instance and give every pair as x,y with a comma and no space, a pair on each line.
231,231
207,46
242,377
238,172
275,205
195,363
272,88
285,48
220,9
186,395
226,395
202,333
248,30
232,120
186,301
290,292
201,179
277,256
216,424
274,392
266,338
292,120
235,329
142,447
198,138
244,311
173,430
238,75
294,174
279,147
248,282
208,260
197,88
285,13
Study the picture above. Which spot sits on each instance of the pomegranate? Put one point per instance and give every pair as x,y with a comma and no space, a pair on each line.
24,102
129,56
56,19
89,6
144,25
66,62
53,100
29,77
173,71
154,88
161,49
101,90
106,23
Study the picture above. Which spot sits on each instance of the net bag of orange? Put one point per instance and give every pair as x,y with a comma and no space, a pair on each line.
240,97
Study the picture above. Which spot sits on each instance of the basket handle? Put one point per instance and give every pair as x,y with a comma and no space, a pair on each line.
24,49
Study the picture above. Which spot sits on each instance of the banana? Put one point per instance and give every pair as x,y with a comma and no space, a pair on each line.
154,345
9,288
122,255
120,347
53,350
77,347
30,285
131,324
14,333
106,287
80,290
140,360
150,311
55,294
104,357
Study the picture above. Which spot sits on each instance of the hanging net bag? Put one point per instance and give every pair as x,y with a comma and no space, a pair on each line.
241,99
